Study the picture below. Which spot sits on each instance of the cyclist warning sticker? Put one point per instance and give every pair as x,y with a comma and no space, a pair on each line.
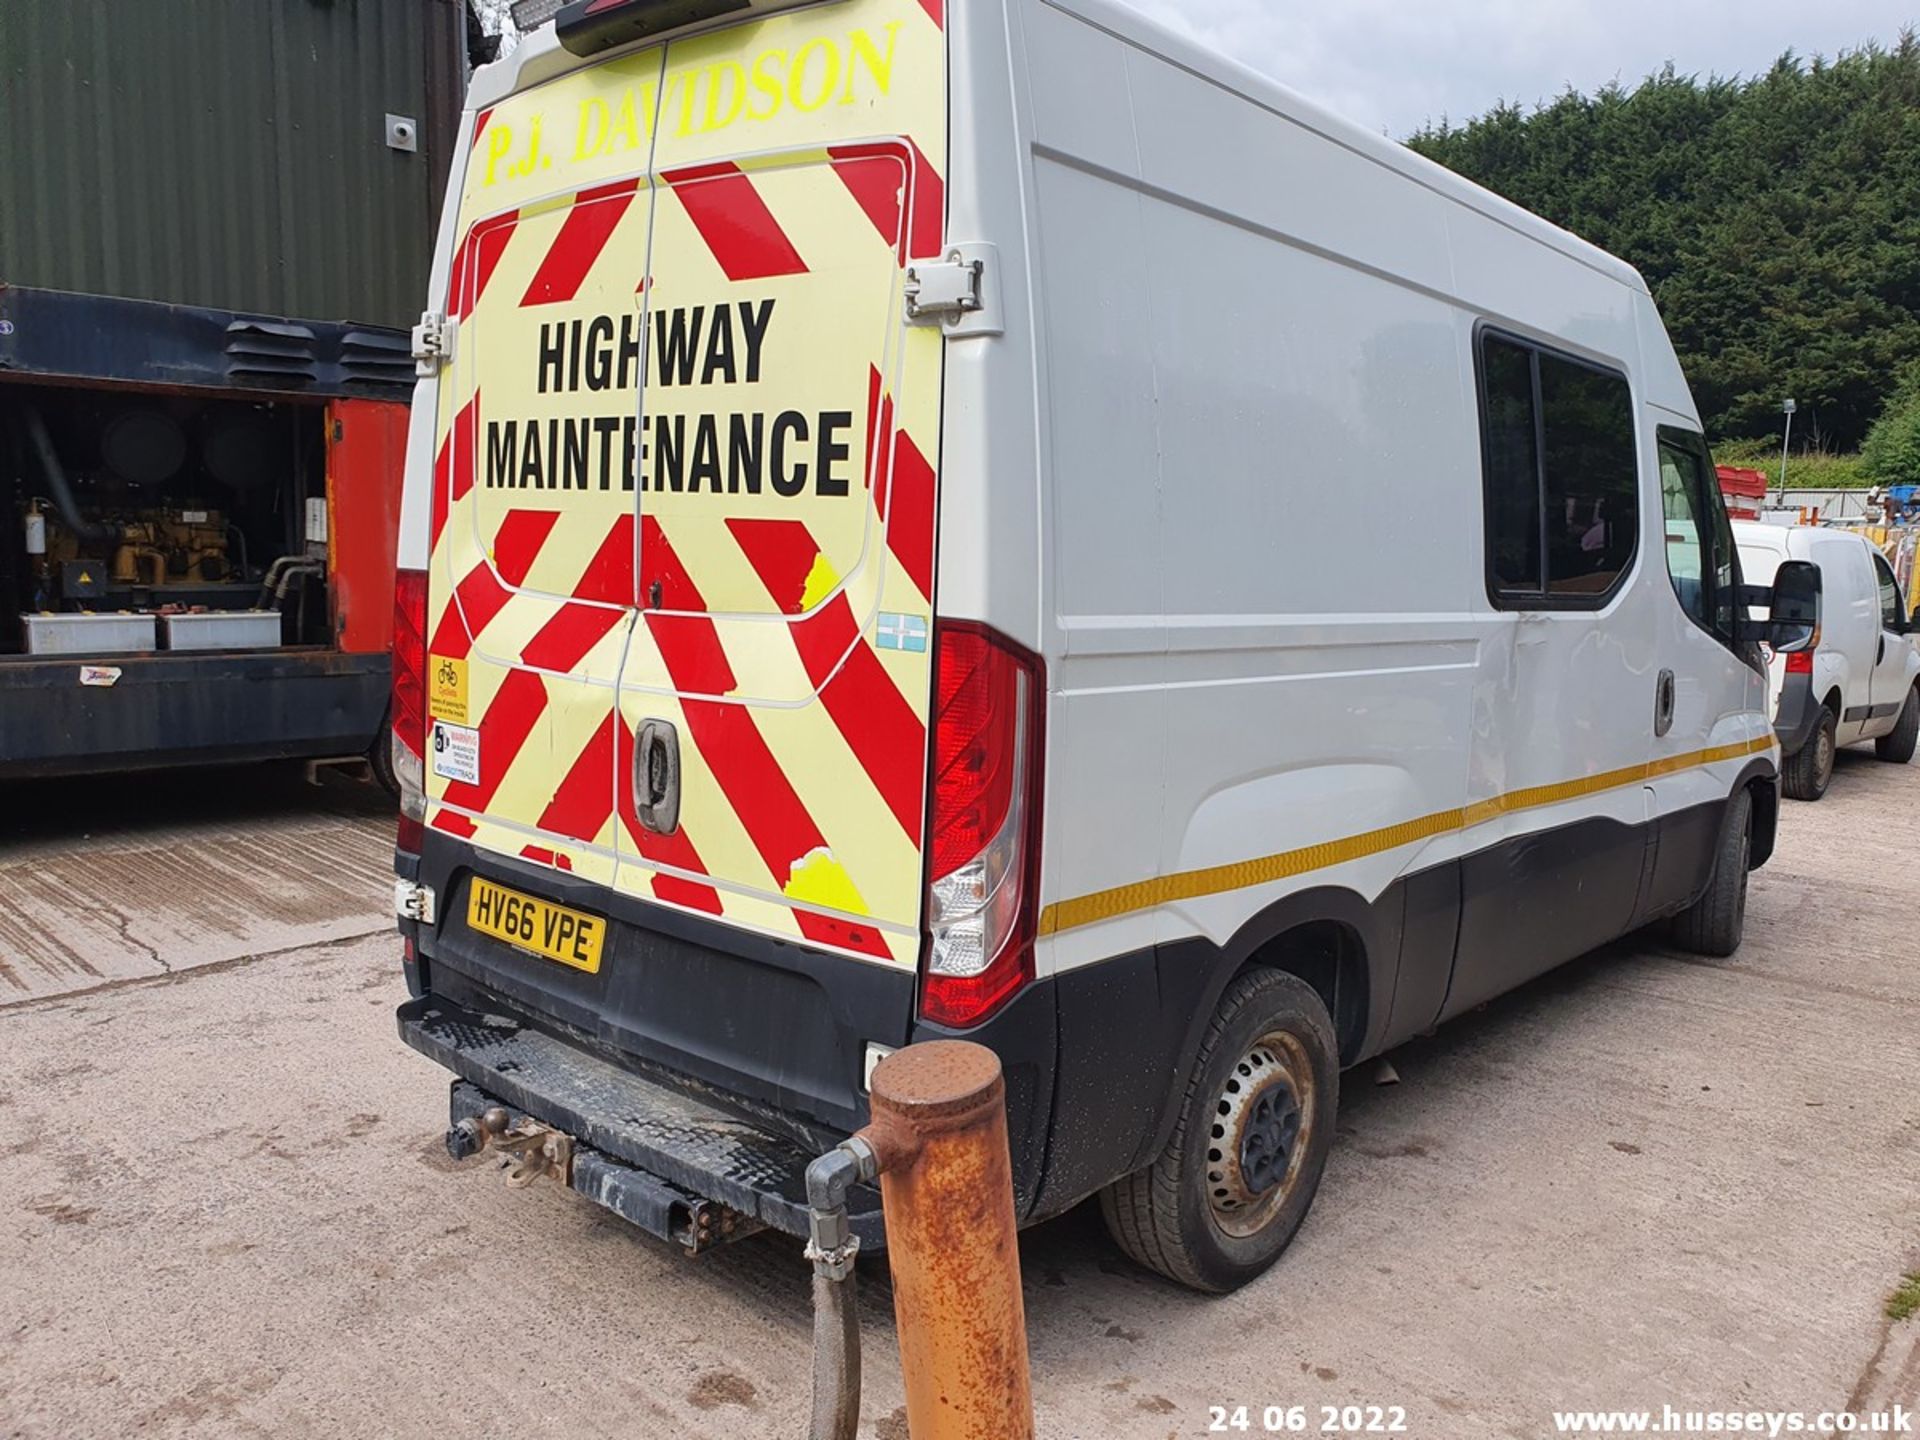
456,753
447,689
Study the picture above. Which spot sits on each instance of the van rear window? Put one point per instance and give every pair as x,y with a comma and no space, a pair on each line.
1562,477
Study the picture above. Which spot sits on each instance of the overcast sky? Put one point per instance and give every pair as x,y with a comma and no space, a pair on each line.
1394,64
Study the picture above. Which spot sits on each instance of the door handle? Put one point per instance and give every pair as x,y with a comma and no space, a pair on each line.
1663,702
1881,656
656,777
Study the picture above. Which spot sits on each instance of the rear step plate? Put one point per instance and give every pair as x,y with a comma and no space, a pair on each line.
662,1132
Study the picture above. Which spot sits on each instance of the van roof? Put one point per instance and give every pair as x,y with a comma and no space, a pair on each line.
1759,533
1127,24
540,58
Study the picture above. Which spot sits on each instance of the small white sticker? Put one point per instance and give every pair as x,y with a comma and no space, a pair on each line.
193,517
456,752
102,675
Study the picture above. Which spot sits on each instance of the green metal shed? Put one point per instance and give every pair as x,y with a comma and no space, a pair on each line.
232,154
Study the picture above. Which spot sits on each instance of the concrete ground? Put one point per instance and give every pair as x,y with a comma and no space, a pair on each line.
115,878
225,1210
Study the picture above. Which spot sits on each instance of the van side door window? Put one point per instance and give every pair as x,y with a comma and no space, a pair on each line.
1699,538
1562,477
1893,652
1890,613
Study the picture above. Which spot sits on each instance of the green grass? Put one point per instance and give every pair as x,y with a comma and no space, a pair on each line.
1906,1299
1809,470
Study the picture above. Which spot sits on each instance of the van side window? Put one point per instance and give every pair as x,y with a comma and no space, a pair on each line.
1562,477
1696,559
1890,612
1699,538
1513,470
1686,533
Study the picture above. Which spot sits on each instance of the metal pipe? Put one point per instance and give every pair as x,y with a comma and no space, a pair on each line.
270,579
1786,442
295,566
946,1186
274,586
58,488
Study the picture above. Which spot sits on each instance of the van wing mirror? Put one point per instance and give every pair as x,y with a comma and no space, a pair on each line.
1792,604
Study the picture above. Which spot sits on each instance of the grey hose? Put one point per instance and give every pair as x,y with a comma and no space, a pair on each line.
298,567
55,474
832,1247
271,579
280,578
836,1359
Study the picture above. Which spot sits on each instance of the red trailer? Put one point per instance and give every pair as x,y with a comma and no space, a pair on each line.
1745,491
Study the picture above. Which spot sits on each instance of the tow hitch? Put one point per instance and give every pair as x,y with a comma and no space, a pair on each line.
530,1148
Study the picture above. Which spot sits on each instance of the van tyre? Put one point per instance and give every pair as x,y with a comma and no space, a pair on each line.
1713,924
380,757
1237,1177
1896,746
1809,770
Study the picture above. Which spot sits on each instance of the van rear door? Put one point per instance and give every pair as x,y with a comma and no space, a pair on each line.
789,421
531,581
685,520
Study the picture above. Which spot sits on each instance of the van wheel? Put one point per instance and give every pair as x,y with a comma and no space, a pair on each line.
1896,746
1714,924
1231,1188
1809,770
380,757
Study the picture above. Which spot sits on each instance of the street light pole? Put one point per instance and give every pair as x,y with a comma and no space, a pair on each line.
1789,407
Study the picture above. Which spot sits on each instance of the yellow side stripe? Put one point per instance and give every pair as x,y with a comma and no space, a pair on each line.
1244,874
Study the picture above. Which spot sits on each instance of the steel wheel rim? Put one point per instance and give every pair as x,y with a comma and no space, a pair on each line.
1259,1133
1824,755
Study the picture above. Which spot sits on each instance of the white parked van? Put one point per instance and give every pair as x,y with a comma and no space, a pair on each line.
1862,682
935,519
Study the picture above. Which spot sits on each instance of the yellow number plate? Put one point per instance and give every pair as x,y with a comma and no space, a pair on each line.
552,931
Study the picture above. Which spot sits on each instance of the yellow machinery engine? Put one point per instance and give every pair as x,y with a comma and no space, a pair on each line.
173,545
155,547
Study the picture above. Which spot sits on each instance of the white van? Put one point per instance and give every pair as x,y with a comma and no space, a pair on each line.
993,520
1862,682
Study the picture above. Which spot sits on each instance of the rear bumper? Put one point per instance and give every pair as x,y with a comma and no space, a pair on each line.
747,1024
650,1149
1797,715
188,709
779,1025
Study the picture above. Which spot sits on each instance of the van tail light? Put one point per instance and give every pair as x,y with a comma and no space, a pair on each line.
984,834
1800,662
408,739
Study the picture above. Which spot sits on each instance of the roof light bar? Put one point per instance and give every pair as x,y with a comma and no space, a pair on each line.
586,27
532,14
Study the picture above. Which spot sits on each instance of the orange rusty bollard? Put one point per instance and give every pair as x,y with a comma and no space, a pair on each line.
939,1132
938,1146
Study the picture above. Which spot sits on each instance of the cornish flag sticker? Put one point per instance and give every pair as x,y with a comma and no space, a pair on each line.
902,632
